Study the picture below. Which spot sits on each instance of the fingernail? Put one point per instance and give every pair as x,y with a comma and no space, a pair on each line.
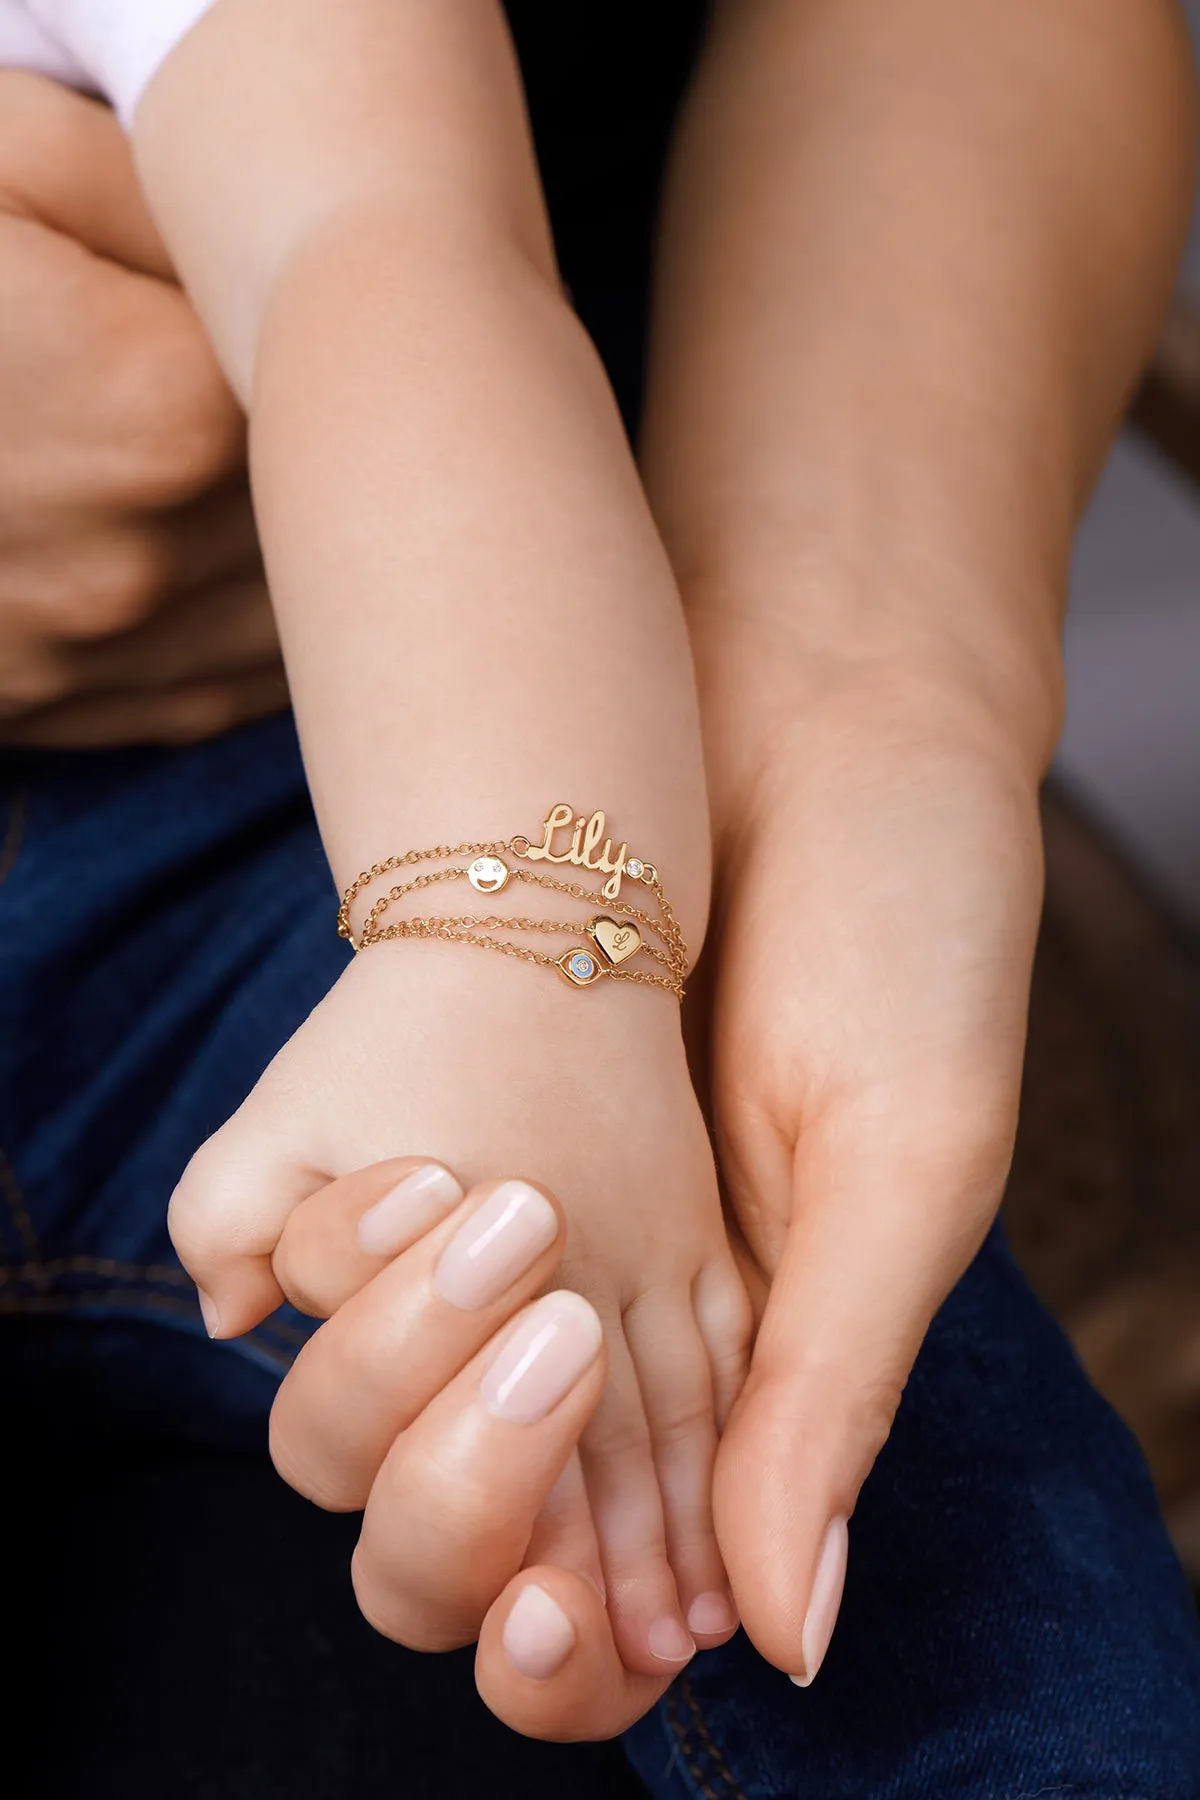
538,1637
209,1313
669,1641
710,1614
543,1359
824,1601
497,1243
414,1204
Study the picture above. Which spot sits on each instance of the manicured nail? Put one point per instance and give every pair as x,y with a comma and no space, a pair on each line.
413,1206
555,1342
538,1637
495,1245
824,1601
710,1614
209,1313
669,1641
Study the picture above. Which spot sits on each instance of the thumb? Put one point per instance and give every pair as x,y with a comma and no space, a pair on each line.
229,1210
883,1222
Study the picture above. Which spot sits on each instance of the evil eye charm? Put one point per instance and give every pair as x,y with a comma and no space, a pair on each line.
579,967
488,874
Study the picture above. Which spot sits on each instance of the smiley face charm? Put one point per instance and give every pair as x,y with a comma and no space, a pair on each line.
617,940
579,967
488,874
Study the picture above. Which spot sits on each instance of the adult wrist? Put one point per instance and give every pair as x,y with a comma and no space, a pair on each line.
967,662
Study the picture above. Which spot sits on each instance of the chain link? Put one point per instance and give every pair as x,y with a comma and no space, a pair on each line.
468,928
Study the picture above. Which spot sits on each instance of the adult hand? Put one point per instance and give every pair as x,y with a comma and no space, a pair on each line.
447,1401
879,892
132,601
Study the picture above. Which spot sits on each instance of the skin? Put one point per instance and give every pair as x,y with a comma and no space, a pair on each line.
473,602
132,601
867,490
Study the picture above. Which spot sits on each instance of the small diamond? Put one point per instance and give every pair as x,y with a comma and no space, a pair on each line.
634,867
582,965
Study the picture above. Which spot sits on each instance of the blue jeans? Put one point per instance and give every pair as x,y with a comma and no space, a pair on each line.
1014,1622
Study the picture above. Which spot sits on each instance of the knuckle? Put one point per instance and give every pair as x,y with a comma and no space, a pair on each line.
297,1293
429,1629
181,428
624,1439
690,1417
28,683
195,1217
193,714
109,588
323,1485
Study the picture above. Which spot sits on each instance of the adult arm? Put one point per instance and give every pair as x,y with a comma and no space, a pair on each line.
913,259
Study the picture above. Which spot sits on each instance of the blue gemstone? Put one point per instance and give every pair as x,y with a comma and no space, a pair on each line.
582,965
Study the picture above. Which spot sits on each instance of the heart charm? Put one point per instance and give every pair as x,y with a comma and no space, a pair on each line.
618,942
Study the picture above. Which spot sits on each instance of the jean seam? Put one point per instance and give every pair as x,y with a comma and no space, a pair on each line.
691,1752
21,1220
138,1299
38,1273
94,1265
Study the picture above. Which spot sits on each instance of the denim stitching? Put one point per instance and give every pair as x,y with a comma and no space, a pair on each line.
21,1219
688,1749
139,1300
93,1265
38,1272
290,1336
693,1707
131,1276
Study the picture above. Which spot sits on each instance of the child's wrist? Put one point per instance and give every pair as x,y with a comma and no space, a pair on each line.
569,898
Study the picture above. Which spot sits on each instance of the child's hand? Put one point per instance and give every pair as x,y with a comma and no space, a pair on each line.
878,899
440,1052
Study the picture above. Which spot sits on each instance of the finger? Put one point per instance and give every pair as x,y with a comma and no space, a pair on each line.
113,398
452,1509
676,1384
547,1663
563,1532
229,1208
208,636
393,1346
103,576
878,1236
725,1317
342,1236
186,714
67,161
622,1485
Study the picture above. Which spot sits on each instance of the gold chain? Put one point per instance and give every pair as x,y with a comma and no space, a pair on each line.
609,942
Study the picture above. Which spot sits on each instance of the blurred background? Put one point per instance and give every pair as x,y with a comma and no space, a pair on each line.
1104,1205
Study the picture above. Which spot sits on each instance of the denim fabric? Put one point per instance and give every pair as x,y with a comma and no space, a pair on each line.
1014,1623
164,927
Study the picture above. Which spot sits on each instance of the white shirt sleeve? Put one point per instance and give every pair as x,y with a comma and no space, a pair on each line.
112,47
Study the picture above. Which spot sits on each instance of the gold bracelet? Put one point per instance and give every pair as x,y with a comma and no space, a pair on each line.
611,942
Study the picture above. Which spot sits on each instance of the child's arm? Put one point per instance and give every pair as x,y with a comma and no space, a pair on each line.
478,621
478,617
914,255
